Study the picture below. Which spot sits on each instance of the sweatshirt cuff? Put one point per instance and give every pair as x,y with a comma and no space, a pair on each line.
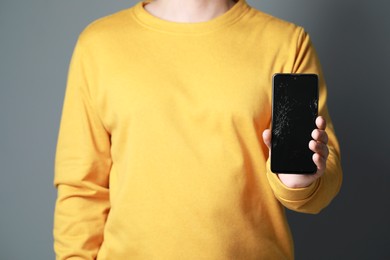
285,193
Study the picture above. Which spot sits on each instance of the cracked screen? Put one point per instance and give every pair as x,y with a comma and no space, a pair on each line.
295,108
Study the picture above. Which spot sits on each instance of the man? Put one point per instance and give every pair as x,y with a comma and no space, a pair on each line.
162,148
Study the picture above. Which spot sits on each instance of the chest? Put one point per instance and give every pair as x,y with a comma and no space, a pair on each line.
201,78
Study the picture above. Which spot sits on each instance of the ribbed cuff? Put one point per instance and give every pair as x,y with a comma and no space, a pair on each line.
283,192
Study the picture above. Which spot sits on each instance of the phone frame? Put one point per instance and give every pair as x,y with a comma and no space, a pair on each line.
273,167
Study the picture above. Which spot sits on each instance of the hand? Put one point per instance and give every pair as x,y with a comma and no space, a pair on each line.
321,152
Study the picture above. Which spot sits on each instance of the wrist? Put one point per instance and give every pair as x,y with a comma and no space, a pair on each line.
295,181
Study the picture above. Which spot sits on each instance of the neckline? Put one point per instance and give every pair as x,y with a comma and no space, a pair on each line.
155,23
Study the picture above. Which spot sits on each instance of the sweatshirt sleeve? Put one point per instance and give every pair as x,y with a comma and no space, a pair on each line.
319,194
82,165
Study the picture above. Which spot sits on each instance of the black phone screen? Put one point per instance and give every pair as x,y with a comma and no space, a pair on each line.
294,111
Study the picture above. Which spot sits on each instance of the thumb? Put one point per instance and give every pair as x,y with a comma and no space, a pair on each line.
267,137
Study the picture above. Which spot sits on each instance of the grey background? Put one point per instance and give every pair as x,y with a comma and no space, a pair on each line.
353,41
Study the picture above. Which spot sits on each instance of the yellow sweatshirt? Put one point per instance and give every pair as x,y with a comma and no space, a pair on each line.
160,152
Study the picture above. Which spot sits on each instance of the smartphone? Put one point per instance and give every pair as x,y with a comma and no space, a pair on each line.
294,111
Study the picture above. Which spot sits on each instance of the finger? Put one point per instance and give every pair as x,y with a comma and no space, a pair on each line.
267,137
320,162
320,148
321,123
320,135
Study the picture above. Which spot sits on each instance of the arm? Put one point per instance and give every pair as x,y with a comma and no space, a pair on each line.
82,166
311,193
